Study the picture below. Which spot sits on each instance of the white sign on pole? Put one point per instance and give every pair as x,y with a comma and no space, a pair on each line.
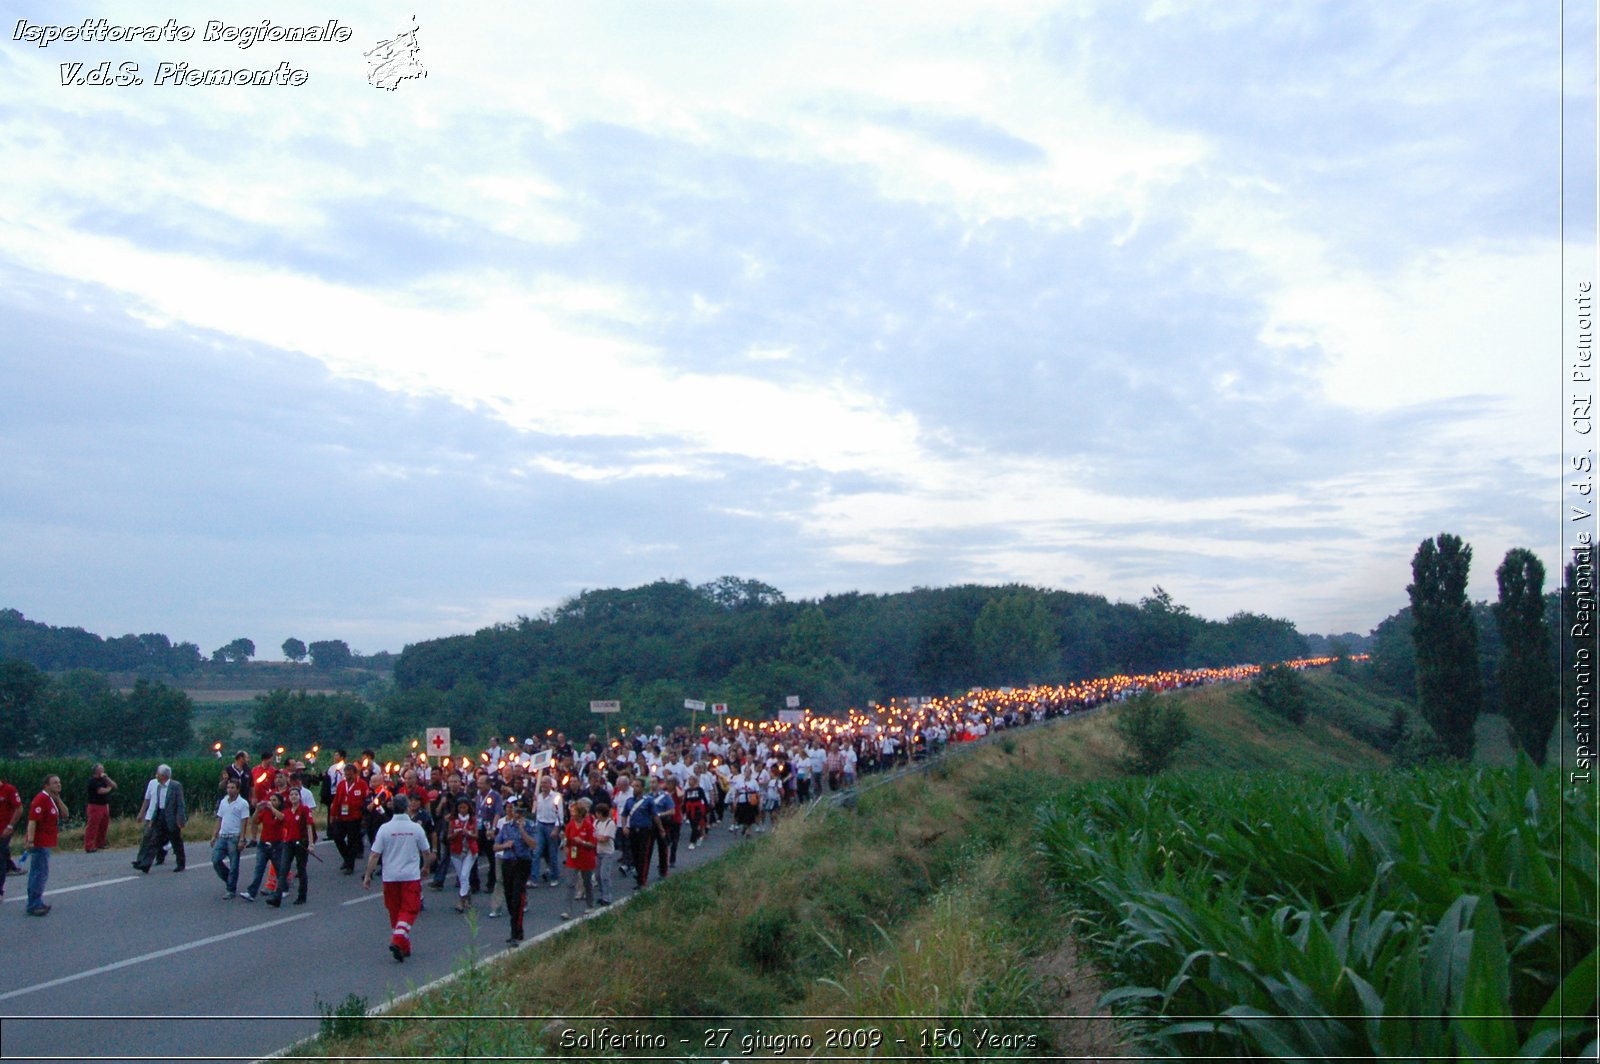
694,704
793,701
791,716
542,759
437,741
611,706
719,707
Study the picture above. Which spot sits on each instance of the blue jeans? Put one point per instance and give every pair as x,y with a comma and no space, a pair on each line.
267,851
441,867
227,850
549,851
38,873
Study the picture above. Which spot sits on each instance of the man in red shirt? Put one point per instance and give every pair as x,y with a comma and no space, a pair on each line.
44,821
345,812
10,815
263,779
269,824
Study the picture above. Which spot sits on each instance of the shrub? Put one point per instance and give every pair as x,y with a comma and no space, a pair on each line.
347,1019
1283,691
1153,729
1419,747
767,940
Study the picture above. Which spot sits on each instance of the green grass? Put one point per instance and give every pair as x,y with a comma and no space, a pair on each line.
1233,731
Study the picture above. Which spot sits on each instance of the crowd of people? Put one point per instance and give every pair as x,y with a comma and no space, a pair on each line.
590,815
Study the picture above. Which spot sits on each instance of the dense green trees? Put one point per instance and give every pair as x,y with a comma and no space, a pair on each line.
731,640
22,706
1163,633
1527,679
82,713
235,653
1015,641
741,642
160,720
330,654
297,720
55,649
1449,683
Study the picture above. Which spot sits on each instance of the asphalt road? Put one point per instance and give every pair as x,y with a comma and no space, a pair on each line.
159,967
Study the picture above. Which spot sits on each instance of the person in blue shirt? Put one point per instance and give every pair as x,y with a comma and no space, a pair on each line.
644,826
666,816
517,844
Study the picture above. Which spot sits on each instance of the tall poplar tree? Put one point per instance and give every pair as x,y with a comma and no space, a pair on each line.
1449,684
1527,669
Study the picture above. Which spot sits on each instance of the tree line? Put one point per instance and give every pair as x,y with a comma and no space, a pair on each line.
731,640
154,655
81,712
743,642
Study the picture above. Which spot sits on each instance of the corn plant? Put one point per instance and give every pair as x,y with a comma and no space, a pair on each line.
1445,913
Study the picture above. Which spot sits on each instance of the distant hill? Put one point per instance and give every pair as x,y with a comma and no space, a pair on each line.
154,656
743,641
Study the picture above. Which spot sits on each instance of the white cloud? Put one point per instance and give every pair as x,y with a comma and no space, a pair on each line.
1456,322
216,211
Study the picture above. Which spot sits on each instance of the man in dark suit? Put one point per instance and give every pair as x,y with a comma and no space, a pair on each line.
164,815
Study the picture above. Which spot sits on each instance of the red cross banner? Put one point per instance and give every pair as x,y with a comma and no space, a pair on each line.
438,742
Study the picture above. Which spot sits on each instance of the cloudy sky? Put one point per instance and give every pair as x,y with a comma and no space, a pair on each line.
1240,299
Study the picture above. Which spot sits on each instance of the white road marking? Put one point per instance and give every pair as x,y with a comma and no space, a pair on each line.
53,891
364,897
157,955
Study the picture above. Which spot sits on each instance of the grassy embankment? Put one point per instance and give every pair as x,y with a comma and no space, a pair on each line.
927,899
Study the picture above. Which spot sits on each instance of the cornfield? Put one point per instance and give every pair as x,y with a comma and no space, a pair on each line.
1445,914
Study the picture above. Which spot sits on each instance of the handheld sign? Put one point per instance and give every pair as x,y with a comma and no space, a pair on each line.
719,708
793,701
694,704
791,716
438,742
610,706
543,759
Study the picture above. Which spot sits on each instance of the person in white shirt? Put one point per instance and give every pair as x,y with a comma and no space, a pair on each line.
164,815
605,845
708,783
548,818
307,798
771,799
746,798
232,813
403,845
